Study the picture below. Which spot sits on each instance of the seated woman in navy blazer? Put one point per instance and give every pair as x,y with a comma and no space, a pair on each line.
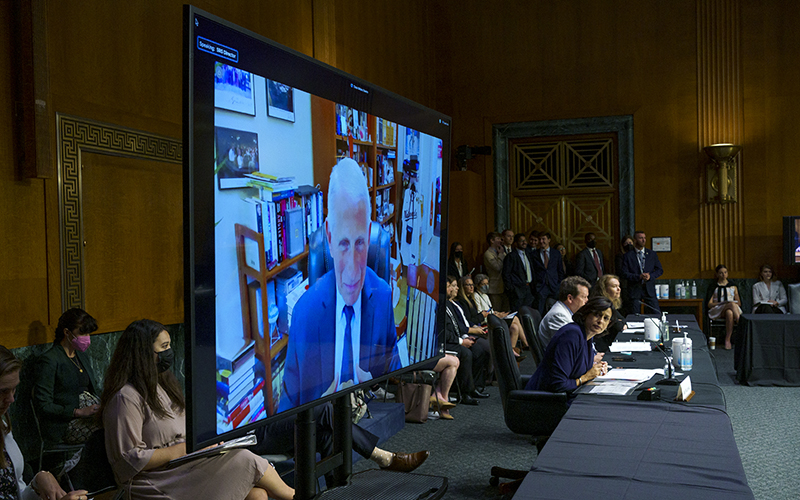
568,360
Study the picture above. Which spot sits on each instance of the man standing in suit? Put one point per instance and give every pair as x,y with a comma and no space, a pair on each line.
518,276
508,240
342,330
548,270
589,261
641,268
493,260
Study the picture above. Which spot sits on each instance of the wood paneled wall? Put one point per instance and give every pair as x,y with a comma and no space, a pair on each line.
770,178
720,120
530,61
121,64
482,62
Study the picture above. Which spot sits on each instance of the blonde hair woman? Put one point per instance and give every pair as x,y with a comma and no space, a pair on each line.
608,286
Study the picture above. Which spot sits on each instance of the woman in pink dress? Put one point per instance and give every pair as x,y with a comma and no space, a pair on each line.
143,412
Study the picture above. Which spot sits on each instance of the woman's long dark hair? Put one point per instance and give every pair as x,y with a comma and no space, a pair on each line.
453,247
8,364
134,363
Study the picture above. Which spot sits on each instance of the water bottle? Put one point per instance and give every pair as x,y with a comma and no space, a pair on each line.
686,353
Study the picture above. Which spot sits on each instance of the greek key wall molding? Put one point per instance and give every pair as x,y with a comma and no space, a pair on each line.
74,136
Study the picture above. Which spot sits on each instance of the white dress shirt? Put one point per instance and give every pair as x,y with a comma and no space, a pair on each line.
355,330
526,264
482,302
25,491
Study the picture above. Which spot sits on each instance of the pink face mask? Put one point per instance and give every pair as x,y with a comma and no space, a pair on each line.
81,342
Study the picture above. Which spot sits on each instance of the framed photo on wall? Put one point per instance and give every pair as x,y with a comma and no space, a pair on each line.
662,243
280,101
237,155
233,89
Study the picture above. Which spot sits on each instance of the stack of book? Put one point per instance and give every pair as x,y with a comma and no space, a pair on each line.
312,205
240,384
285,224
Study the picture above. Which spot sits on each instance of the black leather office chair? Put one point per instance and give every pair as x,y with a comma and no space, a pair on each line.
93,473
320,261
530,319
536,413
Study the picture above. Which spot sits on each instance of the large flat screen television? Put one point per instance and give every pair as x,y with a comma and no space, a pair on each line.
315,221
791,240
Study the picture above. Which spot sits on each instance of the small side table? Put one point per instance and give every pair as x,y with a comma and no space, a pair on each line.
666,303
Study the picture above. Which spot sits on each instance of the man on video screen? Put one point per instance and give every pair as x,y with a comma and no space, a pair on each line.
342,330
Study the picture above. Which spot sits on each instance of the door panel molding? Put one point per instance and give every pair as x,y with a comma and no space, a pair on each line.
622,126
75,135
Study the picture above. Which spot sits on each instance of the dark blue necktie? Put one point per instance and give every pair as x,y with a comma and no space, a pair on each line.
347,354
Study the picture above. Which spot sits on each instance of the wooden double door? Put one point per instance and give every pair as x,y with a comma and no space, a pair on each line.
567,186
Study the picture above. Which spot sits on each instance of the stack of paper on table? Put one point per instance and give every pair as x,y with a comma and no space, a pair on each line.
630,347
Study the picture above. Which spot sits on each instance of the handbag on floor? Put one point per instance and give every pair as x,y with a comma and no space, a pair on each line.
416,399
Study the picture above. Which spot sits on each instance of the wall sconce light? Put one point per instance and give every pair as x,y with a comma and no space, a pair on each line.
721,174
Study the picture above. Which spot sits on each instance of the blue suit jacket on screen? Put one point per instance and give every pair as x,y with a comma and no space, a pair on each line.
310,356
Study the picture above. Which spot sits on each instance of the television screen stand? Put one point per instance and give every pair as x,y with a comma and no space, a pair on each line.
369,484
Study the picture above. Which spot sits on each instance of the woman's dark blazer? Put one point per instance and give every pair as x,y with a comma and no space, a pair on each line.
471,312
56,392
454,329
452,269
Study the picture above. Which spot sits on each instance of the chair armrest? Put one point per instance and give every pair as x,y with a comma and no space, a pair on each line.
535,412
542,397
524,380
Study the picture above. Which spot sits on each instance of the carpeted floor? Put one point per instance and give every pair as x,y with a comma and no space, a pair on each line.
765,425
764,420
465,449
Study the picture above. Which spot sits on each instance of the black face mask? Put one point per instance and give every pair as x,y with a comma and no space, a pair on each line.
458,255
628,247
591,244
165,359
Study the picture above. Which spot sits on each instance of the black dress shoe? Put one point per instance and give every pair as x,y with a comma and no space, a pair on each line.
406,462
478,394
469,400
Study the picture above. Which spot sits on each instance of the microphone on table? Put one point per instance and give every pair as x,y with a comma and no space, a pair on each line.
657,311
669,372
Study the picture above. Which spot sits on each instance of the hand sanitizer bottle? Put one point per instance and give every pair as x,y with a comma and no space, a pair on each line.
694,289
664,328
686,353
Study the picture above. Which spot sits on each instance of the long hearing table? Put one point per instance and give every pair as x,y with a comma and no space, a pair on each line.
616,447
